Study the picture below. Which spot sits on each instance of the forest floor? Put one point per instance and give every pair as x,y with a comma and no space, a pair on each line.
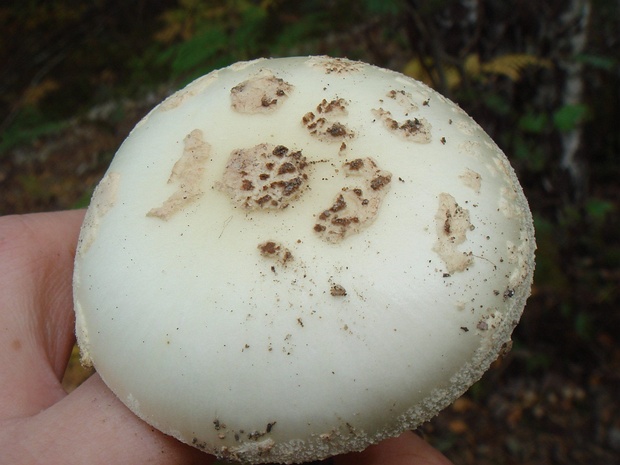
541,404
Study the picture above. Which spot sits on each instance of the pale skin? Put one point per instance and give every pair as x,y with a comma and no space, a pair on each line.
39,422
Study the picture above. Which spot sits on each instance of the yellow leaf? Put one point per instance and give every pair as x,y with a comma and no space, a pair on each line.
512,65
458,427
34,94
452,76
472,65
414,69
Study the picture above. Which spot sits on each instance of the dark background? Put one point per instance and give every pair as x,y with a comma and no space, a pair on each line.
543,78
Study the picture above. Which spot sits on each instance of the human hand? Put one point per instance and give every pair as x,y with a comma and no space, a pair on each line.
39,422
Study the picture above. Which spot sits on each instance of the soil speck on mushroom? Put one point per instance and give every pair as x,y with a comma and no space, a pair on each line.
338,291
264,176
262,93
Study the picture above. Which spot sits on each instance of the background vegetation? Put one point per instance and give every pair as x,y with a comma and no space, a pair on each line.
543,78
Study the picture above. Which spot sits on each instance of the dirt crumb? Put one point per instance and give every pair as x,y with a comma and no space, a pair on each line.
265,176
412,129
336,107
403,99
275,251
338,291
325,122
354,207
336,65
263,93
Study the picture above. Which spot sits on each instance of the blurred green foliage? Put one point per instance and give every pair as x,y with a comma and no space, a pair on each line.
196,36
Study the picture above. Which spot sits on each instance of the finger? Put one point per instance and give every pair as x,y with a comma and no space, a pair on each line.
407,449
92,426
36,309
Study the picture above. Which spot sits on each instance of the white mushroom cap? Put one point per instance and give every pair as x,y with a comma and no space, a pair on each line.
294,258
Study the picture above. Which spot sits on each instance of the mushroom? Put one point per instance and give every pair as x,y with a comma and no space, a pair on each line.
295,258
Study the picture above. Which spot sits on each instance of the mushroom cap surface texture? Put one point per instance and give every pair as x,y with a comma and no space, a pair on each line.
294,258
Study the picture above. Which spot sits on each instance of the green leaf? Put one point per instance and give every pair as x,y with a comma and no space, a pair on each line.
248,35
84,199
534,123
568,117
531,153
310,26
383,7
29,124
498,104
199,49
584,326
537,362
597,61
598,209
